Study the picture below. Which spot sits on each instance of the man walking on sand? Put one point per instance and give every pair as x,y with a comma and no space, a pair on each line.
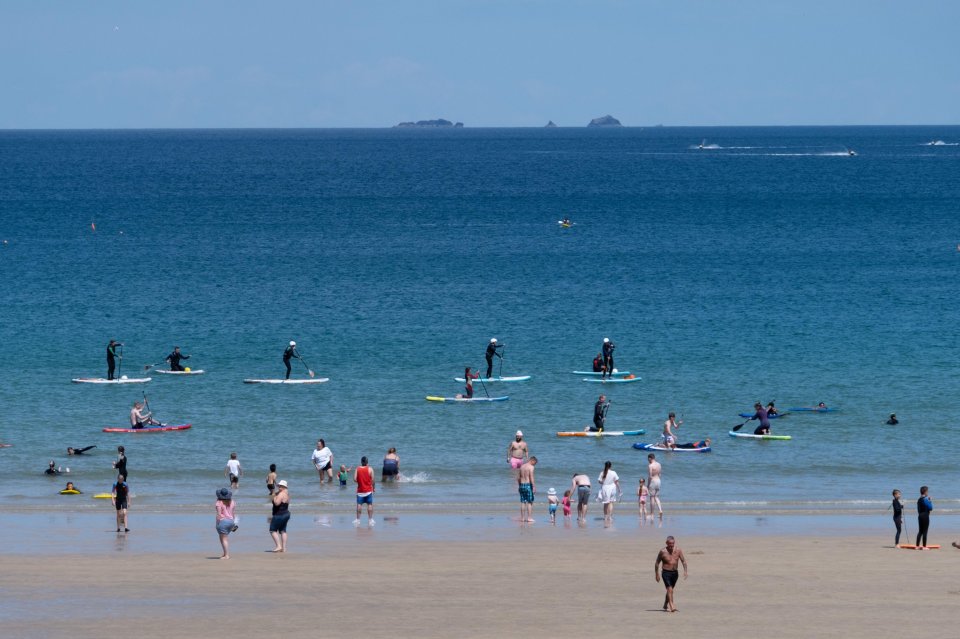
528,488
668,557
653,483
517,451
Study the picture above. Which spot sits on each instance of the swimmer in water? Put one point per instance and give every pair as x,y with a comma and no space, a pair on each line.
78,451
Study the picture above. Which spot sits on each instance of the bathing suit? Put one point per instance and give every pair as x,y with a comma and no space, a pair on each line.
653,488
670,577
566,506
552,509
281,515
516,462
390,468
526,493
583,495
270,487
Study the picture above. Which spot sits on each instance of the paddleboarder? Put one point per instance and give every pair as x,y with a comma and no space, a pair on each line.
138,419
289,353
600,414
469,377
607,351
669,440
174,359
112,356
598,363
761,414
492,349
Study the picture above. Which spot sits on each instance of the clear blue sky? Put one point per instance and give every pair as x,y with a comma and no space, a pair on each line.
372,63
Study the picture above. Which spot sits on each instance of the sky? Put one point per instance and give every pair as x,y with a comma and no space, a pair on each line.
488,63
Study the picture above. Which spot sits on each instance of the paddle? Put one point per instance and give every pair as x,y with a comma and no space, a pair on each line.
501,360
484,386
146,403
739,426
309,372
120,364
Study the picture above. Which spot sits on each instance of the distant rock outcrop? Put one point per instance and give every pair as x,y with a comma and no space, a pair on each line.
550,125
607,120
438,123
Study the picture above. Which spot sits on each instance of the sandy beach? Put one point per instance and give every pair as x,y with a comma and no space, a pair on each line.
538,582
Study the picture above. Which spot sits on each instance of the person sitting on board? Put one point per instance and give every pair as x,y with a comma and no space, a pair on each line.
469,377
771,409
288,353
52,469
492,348
174,359
893,421
78,451
761,414
598,363
138,419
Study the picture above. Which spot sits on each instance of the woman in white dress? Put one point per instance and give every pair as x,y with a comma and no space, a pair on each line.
609,489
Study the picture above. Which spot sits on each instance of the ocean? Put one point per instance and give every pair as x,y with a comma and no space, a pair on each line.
768,265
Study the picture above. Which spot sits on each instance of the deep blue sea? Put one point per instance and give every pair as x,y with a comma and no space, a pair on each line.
770,264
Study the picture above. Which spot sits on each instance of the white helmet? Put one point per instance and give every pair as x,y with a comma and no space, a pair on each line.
292,343
606,340
493,341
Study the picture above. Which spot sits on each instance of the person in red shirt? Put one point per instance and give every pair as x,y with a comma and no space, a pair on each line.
363,476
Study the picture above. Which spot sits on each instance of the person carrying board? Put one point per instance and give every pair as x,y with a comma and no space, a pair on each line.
289,353
492,349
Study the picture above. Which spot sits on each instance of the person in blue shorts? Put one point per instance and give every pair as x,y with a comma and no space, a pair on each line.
527,488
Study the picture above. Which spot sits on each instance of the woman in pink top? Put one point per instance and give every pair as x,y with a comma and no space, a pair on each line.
225,518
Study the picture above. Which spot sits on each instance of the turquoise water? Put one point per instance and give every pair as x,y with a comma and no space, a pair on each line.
774,266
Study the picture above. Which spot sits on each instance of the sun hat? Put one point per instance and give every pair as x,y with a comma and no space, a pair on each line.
292,343
519,433
224,493
282,482
606,340
552,491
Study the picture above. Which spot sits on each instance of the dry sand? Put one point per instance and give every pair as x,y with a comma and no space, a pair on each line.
759,587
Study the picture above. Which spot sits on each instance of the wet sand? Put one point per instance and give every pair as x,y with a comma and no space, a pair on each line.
537,581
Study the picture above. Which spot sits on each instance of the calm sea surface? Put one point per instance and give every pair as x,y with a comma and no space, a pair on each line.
769,265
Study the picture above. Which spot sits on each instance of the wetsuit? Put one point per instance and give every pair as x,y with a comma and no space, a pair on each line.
924,506
111,358
51,471
599,415
80,451
121,466
290,351
764,427
120,490
491,351
598,364
897,518
608,357
174,359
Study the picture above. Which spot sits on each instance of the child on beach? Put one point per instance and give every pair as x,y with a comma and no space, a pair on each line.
642,494
272,478
897,506
566,504
552,503
344,474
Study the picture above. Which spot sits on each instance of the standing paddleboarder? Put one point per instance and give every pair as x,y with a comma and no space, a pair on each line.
607,351
492,349
112,356
288,353
174,359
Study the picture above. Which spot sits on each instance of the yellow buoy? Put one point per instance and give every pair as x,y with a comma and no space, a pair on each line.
186,370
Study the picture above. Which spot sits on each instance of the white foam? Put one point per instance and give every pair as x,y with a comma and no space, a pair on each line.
416,478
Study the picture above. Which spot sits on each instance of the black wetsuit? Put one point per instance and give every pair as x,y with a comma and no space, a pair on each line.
112,358
924,506
608,357
121,466
599,415
80,451
174,359
598,364
491,351
288,353
120,488
897,518
51,471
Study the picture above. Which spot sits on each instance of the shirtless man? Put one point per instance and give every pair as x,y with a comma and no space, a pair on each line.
517,451
653,483
528,488
668,557
580,489
669,439
138,419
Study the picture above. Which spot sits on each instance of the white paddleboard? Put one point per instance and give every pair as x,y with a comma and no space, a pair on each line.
434,398
163,372
490,380
103,380
317,380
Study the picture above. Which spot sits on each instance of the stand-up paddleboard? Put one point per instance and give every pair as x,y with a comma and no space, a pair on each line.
599,373
149,429
6,445
103,380
606,433
490,380
433,398
752,436
681,448
163,372
916,547
748,415
613,380
814,409
316,380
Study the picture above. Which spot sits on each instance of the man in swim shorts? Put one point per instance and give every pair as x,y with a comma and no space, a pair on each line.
233,471
581,488
363,476
668,557
669,438
527,488
653,483
517,451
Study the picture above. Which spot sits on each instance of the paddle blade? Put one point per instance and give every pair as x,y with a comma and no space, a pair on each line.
738,426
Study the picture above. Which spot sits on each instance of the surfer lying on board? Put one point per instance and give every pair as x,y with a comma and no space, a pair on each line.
703,443
761,414
138,419
288,353
174,359
599,415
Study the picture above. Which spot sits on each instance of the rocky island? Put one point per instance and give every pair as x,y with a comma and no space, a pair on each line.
430,124
550,125
607,120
